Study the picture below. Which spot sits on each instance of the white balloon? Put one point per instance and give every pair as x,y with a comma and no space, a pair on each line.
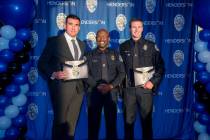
5,122
11,111
200,46
19,100
204,56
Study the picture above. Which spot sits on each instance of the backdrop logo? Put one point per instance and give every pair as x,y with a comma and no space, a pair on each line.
32,111
120,4
121,22
178,57
179,22
60,20
34,39
33,75
150,36
91,5
91,37
150,5
178,92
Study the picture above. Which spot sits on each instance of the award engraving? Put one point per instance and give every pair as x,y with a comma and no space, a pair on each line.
75,69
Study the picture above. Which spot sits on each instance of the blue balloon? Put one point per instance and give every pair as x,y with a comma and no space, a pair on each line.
26,67
204,56
11,111
19,121
3,101
8,32
3,67
2,134
199,128
16,45
23,109
5,122
203,136
6,55
204,35
208,67
20,79
198,66
12,133
208,87
12,90
19,100
1,112
24,89
198,107
4,43
201,13
200,46
24,34
208,129
203,76
204,118
17,13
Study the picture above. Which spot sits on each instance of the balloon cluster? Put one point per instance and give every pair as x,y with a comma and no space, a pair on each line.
15,17
202,69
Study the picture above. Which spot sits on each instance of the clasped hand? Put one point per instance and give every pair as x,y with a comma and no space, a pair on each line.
104,88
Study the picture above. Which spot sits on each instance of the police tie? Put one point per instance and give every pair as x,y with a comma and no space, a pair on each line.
76,53
104,70
135,56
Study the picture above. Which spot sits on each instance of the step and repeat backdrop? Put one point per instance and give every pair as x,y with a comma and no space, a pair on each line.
167,23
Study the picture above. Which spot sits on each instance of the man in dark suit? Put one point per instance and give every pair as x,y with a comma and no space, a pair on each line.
144,69
66,95
106,72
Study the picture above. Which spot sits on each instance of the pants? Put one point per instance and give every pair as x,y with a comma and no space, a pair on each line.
66,103
99,101
141,101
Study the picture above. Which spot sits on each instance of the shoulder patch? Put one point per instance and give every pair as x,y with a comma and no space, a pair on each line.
156,48
120,58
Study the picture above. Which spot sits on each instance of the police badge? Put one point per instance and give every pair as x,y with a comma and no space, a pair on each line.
112,57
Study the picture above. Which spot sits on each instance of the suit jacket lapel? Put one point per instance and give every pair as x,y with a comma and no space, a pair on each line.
66,51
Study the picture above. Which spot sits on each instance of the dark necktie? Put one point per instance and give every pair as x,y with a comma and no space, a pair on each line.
76,53
135,56
104,71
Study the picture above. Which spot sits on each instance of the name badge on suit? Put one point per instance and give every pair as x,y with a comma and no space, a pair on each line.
76,69
142,75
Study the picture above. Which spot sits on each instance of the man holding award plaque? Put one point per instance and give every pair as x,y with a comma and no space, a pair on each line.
63,65
106,72
144,68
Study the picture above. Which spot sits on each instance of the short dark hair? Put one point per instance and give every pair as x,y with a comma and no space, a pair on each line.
135,19
102,29
73,17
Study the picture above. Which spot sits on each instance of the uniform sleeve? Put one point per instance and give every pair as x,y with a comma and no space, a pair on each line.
43,63
159,67
120,70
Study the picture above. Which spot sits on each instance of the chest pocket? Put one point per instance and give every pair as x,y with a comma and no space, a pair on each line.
146,59
111,61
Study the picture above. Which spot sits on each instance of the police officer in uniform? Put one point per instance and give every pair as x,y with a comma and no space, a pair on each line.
140,53
106,72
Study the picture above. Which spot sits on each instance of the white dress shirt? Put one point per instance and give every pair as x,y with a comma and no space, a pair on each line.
68,39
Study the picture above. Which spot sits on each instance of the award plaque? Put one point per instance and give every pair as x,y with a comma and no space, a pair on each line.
142,75
75,69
